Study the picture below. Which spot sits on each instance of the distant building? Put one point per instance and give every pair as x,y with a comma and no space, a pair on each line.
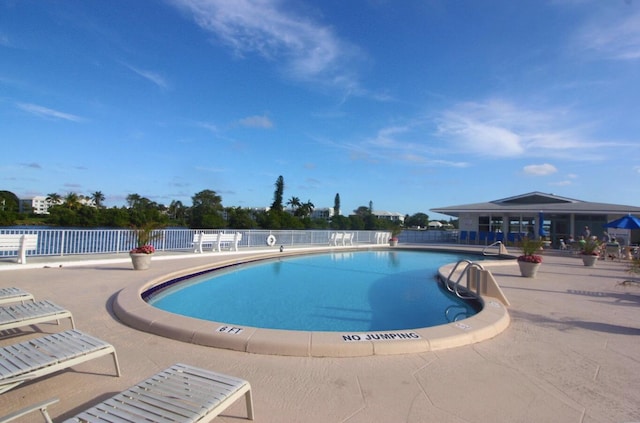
391,216
325,213
36,205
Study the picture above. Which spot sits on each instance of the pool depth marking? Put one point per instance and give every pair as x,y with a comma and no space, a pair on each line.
374,336
233,330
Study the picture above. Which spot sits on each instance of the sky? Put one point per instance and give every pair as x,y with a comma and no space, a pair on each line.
409,105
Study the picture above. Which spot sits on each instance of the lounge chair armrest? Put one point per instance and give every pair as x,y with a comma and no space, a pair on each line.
42,406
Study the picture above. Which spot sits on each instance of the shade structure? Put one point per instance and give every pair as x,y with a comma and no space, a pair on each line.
626,222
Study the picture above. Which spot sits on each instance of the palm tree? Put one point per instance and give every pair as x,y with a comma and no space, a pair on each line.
294,202
53,199
98,198
72,201
306,209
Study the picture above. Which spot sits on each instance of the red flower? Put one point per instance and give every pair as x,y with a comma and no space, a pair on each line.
145,249
531,258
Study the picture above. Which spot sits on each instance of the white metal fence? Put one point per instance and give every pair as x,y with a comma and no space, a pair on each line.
60,242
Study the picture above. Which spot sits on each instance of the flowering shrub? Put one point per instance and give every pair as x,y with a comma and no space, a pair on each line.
532,258
591,247
529,247
145,249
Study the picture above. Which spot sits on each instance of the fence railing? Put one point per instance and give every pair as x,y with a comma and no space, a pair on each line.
60,242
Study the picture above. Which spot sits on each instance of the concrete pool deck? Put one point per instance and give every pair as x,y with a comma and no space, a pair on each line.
570,354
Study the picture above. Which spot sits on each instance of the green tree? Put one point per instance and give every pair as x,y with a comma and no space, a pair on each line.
418,219
340,222
132,200
9,206
362,211
278,194
206,210
115,217
336,205
239,218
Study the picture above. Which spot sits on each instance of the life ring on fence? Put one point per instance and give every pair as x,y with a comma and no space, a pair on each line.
271,240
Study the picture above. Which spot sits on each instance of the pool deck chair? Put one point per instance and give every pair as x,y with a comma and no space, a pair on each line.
42,406
180,393
13,295
39,357
31,313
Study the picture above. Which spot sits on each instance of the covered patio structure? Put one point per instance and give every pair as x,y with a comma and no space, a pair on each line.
535,214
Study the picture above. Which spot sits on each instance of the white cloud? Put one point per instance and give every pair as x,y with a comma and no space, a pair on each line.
257,122
153,77
310,51
4,41
208,126
48,113
612,37
540,170
498,128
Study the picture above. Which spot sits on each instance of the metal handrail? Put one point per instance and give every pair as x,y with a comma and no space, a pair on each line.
495,244
454,287
461,314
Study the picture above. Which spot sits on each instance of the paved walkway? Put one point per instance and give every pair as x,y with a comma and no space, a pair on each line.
571,354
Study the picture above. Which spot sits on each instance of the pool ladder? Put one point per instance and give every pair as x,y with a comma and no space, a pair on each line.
454,286
453,313
501,249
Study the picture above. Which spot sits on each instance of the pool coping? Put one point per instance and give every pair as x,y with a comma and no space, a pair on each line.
131,309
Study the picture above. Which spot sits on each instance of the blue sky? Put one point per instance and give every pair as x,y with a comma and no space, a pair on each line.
411,105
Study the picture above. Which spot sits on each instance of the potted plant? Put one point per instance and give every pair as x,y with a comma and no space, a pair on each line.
393,241
590,251
142,253
529,262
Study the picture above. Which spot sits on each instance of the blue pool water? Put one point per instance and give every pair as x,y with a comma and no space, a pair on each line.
344,292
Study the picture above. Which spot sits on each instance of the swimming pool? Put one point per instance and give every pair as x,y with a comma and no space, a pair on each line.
130,307
339,292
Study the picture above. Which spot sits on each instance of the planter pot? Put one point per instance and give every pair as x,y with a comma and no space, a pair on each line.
140,261
393,243
589,260
528,270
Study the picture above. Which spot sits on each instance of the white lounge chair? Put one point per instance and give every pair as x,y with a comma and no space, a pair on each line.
42,406
13,295
31,313
180,393
42,356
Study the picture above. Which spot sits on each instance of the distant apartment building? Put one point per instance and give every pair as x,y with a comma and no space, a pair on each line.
36,205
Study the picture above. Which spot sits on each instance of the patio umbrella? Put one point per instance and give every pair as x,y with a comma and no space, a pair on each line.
541,231
626,222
